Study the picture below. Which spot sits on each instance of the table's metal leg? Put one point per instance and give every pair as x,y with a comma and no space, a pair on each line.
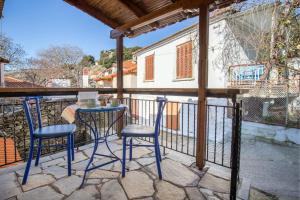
107,131
95,133
96,136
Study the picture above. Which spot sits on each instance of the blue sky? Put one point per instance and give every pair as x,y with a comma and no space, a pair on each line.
37,24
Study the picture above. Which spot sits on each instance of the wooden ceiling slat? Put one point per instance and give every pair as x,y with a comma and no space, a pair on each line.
85,7
135,17
139,12
1,7
152,17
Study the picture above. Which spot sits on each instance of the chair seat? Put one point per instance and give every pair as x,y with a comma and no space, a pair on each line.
134,130
55,130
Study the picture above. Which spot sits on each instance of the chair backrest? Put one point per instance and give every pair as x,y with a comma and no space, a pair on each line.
26,106
161,105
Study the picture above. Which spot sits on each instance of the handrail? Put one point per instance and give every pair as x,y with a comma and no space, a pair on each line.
17,92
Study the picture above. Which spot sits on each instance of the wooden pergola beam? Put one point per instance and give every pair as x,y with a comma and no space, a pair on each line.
162,13
202,84
85,7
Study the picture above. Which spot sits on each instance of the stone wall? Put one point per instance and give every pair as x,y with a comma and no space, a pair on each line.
13,124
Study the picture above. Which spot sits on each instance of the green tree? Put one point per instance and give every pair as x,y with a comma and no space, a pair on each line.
87,61
108,57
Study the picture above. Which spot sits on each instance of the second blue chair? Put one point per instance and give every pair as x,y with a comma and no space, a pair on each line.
47,132
135,130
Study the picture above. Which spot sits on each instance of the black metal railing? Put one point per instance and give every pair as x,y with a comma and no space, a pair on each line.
178,130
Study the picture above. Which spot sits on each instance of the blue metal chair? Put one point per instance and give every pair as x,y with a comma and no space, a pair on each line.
47,132
135,130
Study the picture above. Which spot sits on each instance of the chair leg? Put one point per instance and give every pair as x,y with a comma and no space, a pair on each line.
159,151
130,150
156,146
69,154
38,152
72,146
28,162
124,157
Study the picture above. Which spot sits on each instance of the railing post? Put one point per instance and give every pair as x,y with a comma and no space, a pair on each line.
130,109
235,148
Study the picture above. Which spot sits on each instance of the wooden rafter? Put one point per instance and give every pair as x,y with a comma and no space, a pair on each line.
139,12
162,13
152,17
82,5
1,7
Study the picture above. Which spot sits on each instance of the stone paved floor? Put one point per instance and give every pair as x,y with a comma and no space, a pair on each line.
181,180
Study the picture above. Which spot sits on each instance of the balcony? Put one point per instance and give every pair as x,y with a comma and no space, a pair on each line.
182,179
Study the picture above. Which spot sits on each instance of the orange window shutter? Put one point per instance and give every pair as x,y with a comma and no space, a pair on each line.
152,67
185,60
190,63
146,68
149,67
177,62
181,63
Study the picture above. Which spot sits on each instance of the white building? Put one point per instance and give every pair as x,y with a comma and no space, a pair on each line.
173,62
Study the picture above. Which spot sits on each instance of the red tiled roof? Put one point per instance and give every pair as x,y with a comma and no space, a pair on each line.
7,146
17,83
129,67
127,64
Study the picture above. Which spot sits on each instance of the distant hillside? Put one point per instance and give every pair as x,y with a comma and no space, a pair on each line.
108,57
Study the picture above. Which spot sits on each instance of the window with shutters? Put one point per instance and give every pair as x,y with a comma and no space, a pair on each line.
149,68
184,66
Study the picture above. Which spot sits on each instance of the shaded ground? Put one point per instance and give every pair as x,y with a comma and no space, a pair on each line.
272,168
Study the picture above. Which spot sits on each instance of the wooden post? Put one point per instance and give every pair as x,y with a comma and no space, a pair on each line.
119,66
119,51
202,84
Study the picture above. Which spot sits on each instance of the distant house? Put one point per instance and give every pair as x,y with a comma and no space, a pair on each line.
108,78
11,82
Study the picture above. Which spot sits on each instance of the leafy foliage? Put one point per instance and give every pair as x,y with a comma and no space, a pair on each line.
108,57
87,61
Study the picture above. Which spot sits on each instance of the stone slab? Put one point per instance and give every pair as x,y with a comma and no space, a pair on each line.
167,190
194,193
214,183
88,192
36,180
137,184
68,185
112,190
176,173
56,171
45,193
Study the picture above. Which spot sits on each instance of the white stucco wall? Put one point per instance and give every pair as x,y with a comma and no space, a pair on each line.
129,81
165,60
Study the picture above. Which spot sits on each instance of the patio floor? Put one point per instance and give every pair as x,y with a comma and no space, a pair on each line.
181,180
